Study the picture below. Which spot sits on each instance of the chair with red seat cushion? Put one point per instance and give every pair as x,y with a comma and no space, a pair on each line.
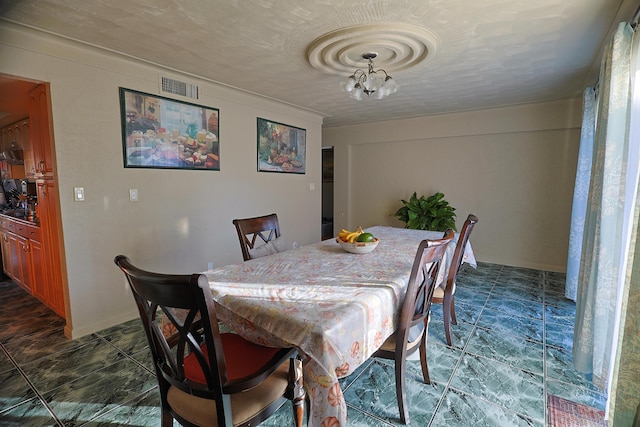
208,378
445,295
413,322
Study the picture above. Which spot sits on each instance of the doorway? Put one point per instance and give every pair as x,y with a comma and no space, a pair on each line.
327,193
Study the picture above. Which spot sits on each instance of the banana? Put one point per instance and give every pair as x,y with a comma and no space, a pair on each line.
351,237
343,235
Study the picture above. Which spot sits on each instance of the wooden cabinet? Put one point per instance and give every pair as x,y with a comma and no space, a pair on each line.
5,135
17,257
41,150
51,237
20,260
15,137
39,279
27,147
22,256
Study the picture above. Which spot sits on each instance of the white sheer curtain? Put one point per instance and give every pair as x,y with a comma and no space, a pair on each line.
604,242
581,191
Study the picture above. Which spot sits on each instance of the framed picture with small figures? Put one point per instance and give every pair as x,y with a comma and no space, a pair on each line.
159,132
281,148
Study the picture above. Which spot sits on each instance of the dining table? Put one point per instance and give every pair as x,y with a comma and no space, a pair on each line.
335,307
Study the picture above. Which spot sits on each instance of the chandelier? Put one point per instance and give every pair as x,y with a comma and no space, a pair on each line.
370,82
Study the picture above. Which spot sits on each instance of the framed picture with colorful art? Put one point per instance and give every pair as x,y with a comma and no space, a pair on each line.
281,148
159,132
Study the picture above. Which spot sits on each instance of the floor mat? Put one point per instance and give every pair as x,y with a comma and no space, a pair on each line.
565,413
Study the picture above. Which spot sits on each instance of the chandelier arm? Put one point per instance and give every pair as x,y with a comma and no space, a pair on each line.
360,78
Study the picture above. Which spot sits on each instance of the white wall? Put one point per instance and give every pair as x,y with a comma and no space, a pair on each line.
512,167
183,218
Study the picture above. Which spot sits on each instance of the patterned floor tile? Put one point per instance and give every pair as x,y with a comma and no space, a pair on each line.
374,393
64,367
5,363
511,349
525,327
460,409
560,336
502,385
465,312
141,411
42,344
14,390
460,333
93,395
518,293
515,307
31,413
560,367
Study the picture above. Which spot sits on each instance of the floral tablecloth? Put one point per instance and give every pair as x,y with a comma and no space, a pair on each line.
337,308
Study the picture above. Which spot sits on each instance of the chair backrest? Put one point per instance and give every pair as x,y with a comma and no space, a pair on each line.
249,230
458,255
422,282
186,301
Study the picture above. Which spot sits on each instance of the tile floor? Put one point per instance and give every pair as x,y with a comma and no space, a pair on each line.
512,348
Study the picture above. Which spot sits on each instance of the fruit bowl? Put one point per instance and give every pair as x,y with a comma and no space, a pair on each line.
358,247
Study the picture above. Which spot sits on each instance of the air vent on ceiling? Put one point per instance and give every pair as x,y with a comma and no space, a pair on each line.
178,87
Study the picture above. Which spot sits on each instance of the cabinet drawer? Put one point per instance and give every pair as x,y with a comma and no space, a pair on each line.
20,228
8,225
33,233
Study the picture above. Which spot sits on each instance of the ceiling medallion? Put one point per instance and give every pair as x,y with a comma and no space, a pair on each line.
397,47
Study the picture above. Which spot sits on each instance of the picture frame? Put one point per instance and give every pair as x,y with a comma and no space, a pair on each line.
164,133
281,147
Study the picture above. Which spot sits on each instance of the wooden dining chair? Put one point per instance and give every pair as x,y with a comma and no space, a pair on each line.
414,316
255,233
208,378
445,294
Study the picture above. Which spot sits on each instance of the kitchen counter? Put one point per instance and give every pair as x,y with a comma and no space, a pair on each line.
20,215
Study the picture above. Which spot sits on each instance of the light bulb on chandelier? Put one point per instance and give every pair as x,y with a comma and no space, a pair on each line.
370,82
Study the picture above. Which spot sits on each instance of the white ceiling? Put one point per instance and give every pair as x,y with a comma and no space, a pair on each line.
481,53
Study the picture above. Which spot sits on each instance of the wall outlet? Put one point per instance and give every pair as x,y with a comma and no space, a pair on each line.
209,266
295,245
133,194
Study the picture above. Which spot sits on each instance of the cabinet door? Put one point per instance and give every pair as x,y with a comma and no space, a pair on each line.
4,138
4,143
11,136
38,272
7,265
41,133
27,148
19,256
48,209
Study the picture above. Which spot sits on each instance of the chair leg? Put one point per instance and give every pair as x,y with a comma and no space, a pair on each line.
296,391
446,314
423,360
167,418
454,321
400,391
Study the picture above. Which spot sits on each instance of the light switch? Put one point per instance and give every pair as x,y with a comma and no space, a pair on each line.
312,186
133,194
78,194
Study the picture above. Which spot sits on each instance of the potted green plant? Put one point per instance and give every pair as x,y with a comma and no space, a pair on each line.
427,213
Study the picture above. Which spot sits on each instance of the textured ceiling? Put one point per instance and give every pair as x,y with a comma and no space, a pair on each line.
479,53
